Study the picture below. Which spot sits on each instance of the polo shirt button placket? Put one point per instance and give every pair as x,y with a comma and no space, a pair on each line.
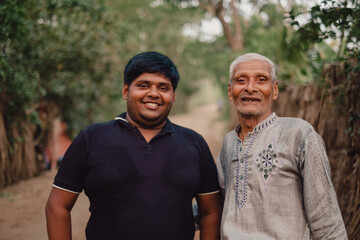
148,149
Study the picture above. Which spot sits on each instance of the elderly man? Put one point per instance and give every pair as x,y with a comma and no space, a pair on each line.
139,171
273,171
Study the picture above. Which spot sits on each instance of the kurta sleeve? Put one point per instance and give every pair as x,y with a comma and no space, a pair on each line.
321,206
221,170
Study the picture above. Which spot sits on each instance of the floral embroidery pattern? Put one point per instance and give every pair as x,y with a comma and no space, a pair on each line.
267,161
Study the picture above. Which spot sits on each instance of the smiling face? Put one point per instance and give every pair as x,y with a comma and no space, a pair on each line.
252,90
149,100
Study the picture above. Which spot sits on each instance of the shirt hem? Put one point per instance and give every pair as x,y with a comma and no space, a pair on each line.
208,193
67,190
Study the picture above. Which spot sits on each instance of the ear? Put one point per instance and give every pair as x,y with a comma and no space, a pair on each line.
125,91
276,91
229,92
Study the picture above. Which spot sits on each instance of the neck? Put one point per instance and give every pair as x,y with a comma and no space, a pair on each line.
148,133
247,124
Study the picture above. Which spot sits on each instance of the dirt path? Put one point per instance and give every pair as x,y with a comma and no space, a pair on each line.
22,214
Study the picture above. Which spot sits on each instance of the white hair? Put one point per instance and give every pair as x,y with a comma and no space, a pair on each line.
250,57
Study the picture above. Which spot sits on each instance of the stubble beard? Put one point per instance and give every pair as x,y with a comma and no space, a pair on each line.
148,122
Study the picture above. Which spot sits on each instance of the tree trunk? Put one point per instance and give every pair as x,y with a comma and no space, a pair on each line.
234,37
5,177
21,157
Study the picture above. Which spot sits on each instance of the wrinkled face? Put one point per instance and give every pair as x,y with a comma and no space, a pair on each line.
149,100
251,89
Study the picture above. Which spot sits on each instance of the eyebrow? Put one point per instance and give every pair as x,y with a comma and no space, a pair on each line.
148,82
165,83
244,74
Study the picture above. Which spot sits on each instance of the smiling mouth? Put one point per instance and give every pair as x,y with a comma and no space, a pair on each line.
152,104
245,99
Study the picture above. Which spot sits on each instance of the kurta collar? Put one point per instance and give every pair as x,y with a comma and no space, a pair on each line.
262,125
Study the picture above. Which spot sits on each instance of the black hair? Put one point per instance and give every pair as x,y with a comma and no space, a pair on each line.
151,62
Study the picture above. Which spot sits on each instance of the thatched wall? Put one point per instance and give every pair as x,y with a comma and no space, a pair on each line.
334,111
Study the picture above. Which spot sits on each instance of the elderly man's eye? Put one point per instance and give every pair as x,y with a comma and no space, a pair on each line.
239,80
262,79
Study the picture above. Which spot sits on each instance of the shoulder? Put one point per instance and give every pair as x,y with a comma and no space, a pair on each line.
229,138
189,136
227,150
294,125
185,131
230,135
295,122
100,128
297,130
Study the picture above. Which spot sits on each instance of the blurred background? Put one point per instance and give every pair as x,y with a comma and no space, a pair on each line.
61,64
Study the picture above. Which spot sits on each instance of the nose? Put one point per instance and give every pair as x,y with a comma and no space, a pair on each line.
153,92
251,86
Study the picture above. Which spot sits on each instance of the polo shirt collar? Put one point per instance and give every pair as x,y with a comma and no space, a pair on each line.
168,127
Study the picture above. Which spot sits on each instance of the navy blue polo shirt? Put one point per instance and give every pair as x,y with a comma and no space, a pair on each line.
138,190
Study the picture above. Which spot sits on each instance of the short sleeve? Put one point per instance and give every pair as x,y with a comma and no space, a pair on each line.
209,177
71,172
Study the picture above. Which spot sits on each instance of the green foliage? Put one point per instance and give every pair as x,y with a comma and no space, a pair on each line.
54,51
336,20
72,53
266,33
259,32
157,26
17,80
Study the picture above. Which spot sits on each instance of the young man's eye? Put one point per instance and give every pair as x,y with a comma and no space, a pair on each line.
164,88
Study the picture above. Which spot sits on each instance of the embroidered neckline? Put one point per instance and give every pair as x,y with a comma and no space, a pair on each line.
240,203
267,122
241,197
264,124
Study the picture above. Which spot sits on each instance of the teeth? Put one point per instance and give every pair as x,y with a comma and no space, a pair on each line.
152,104
249,100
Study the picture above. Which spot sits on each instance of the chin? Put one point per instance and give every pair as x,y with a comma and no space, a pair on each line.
243,111
152,121
151,117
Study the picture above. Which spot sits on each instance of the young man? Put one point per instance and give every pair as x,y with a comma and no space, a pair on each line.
139,171
273,171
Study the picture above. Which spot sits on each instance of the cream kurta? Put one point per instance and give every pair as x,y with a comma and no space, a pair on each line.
277,184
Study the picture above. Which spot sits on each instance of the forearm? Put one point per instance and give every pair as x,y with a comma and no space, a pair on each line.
210,226
58,223
58,218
